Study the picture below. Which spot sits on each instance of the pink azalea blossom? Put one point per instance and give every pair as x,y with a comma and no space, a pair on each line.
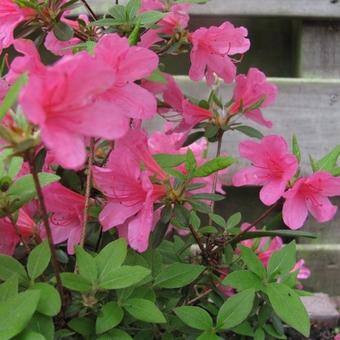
64,102
3,89
211,51
66,209
11,15
311,194
29,62
249,90
9,238
151,5
126,99
303,272
273,166
130,196
176,20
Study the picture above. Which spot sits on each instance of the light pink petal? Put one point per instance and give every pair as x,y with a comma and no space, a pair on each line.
321,208
294,212
249,176
272,191
115,213
149,38
198,65
257,117
73,240
223,67
253,151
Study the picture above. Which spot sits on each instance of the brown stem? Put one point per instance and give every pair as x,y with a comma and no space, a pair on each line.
47,226
88,7
218,154
255,223
87,192
200,296
17,231
199,242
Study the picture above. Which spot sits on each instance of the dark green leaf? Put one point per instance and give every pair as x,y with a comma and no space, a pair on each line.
63,31
115,334
272,233
236,309
43,325
219,220
214,165
123,277
252,261
195,317
288,306
178,275
109,317
84,326
234,220
38,260
144,310
249,131
192,138
259,334
244,329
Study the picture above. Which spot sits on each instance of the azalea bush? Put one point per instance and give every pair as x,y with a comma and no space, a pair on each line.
109,231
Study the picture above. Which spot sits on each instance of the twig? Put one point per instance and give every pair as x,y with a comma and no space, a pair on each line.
199,242
17,231
87,192
46,224
200,296
88,7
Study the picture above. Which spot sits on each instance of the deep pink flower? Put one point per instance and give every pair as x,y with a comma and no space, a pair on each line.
126,99
311,194
9,238
211,51
11,15
151,5
29,62
272,167
250,89
67,209
303,272
64,102
130,196
3,89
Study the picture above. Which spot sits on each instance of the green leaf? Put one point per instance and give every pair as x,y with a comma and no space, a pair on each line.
249,131
288,306
123,277
195,317
219,220
132,8
50,302
9,267
234,220
296,148
111,257
168,160
109,317
190,162
42,324
329,162
118,12
30,335
86,265
236,309
178,275
272,233
12,95
63,31
38,260
75,282
134,35
151,17
17,312
243,279
23,190
270,330
252,261
244,328
9,288
214,165
259,334
195,221
207,196
283,260
144,310
115,334
157,77
84,326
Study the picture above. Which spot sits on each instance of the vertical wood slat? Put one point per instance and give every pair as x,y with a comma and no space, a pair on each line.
320,49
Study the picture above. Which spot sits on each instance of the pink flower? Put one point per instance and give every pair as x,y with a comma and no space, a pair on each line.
273,167
30,61
151,5
9,238
11,15
126,99
130,196
311,194
249,90
64,102
176,20
303,272
66,208
211,51
3,89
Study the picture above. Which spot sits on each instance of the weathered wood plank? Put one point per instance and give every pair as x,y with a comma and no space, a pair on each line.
320,49
308,108
287,8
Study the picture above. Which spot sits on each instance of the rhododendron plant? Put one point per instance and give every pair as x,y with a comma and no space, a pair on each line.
113,221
